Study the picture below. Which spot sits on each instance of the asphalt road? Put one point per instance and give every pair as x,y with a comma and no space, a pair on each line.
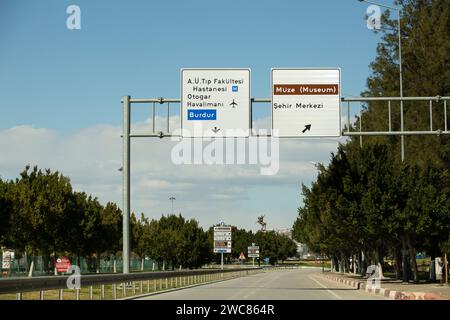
297,284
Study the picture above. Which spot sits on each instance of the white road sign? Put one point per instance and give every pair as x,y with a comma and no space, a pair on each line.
306,102
7,259
222,239
215,103
253,252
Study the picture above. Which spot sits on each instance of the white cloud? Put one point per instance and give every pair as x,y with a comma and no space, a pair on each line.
91,157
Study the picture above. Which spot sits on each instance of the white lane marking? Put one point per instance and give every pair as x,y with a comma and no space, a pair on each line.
246,281
262,280
329,291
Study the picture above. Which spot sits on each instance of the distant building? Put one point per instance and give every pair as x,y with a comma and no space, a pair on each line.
286,232
303,252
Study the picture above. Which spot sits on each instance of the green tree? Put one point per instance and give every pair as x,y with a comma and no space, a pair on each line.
267,245
286,248
426,73
166,239
195,249
364,200
6,207
241,240
111,229
40,205
84,234
140,236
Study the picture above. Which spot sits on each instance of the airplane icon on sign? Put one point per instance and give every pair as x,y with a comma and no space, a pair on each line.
233,104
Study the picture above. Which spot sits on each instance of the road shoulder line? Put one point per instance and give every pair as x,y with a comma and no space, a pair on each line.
328,290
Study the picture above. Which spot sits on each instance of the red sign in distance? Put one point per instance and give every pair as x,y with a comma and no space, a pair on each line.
62,264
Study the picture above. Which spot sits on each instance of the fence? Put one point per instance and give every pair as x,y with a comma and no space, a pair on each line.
43,267
115,286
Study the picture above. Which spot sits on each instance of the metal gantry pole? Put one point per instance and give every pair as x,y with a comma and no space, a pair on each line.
126,184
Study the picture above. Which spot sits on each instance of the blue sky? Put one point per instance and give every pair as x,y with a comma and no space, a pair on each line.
67,81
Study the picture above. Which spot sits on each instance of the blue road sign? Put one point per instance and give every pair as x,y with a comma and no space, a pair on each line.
206,114
235,88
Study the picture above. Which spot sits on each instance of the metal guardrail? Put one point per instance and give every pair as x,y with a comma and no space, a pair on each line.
178,279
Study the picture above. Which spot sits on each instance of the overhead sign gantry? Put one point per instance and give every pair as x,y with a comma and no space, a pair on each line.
317,113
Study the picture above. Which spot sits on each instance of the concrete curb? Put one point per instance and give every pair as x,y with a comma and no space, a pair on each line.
388,293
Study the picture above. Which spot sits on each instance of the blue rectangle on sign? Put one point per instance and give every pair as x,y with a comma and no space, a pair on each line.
235,88
206,114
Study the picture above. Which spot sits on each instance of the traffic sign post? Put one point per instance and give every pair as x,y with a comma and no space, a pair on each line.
215,103
253,252
62,265
222,241
306,103
7,260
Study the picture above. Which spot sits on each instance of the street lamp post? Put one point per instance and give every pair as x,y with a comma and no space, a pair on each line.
399,11
172,199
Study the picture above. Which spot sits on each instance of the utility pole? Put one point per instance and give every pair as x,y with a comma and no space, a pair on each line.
402,124
400,60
